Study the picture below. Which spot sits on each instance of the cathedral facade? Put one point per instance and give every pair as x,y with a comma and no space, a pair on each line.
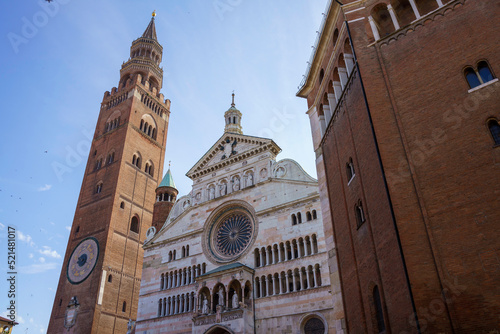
244,251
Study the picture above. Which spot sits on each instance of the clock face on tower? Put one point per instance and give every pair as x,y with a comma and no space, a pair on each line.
83,260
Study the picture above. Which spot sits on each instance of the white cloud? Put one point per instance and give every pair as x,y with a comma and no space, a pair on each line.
26,238
19,319
30,255
45,187
37,268
52,223
2,227
41,260
42,331
47,251
68,228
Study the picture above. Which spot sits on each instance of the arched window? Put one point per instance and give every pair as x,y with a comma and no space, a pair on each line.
479,76
77,229
169,256
111,157
142,124
308,216
257,257
294,219
360,214
122,205
124,306
484,71
314,326
60,302
110,278
98,188
494,127
183,251
321,76
472,77
335,37
175,254
379,314
315,215
299,218
350,170
187,250
383,20
134,224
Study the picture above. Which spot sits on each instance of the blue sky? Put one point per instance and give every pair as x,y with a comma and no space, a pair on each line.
58,61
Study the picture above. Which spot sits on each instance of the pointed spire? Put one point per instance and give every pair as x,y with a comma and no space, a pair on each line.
150,31
168,180
233,119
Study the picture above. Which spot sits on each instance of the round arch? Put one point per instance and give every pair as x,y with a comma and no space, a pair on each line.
218,329
305,319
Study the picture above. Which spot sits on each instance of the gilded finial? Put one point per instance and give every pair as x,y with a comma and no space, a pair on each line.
154,13
169,163
232,103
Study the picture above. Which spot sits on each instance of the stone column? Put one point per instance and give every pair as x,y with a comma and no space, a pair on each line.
294,281
322,124
349,62
195,271
376,35
328,113
308,279
260,288
301,276
261,259
287,290
278,290
415,9
337,90
333,104
343,77
286,254
183,277
279,254
174,304
393,17
270,285
269,257
315,279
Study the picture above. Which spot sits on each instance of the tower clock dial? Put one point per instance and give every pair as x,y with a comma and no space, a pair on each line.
83,260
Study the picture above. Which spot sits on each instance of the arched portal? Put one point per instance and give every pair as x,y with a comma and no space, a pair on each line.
218,329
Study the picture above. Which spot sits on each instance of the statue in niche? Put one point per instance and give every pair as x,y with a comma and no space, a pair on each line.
235,300
223,188
250,179
236,184
211,193
221,297
204,309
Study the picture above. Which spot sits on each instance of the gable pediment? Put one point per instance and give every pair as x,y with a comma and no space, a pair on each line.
229,149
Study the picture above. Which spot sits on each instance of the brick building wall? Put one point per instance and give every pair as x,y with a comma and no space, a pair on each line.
438,156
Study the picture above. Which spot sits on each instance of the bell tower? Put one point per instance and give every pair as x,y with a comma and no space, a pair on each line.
99,284
166,195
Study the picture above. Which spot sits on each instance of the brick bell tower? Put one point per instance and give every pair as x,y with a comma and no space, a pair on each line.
99,284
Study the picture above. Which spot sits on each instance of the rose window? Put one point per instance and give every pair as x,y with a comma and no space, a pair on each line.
229,232
233,235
